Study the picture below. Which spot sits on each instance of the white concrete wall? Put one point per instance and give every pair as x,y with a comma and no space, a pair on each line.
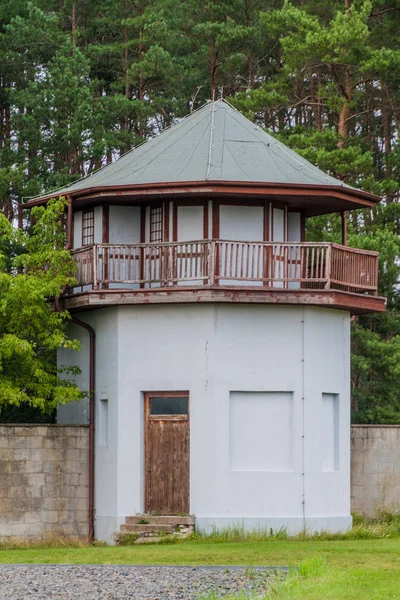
221,353
294,227
241,223
278,229
190,223
124,225
77,229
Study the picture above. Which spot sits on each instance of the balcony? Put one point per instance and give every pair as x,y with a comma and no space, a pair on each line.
206,270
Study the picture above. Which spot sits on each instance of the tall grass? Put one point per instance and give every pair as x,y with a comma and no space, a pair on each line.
385,525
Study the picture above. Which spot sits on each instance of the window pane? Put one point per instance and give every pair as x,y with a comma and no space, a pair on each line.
88,228
156,224
169,406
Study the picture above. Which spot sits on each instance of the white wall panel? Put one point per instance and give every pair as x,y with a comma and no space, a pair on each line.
278,231
78,229
294,227
329,432
190,223
124,227
241,223
261,431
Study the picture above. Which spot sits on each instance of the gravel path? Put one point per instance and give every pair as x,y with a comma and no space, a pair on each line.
105,582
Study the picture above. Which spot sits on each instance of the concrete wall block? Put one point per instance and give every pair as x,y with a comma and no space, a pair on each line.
84,456
67,516
84,479
6,455
36,479
54,480
34,529
72,454
50,491
81,467
33,517
51,466
35,442
34,493
38,454
49,516
81,492
17,442
83,443
83,504
22,454
34,466
70,479
5,530
3,441
18,529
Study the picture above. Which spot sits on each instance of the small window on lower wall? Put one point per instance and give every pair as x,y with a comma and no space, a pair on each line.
261,431
329,429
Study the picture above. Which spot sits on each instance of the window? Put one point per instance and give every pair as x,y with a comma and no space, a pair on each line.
156,224
87,227
169,405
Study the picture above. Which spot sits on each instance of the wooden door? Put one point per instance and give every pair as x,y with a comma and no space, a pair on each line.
167,453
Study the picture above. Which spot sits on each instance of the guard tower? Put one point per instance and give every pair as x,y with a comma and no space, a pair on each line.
221,373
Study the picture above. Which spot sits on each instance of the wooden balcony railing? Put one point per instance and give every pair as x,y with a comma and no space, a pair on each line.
230,263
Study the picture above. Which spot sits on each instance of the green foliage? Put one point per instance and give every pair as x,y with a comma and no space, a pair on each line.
31,330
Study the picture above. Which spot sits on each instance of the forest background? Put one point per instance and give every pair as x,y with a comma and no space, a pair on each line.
83,81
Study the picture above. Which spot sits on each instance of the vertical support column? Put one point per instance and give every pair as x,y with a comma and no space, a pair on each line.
70,225
344,228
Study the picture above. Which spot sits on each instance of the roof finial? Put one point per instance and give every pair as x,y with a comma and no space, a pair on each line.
221,93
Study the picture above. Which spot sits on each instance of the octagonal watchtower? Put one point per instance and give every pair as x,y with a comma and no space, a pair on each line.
221,374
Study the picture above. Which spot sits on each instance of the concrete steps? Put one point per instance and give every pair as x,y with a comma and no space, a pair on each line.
142,529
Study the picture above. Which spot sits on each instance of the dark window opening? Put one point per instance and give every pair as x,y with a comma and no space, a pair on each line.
156,224
162,405
88,227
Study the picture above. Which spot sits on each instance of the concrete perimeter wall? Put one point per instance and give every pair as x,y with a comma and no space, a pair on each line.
43,480
44,477
375,469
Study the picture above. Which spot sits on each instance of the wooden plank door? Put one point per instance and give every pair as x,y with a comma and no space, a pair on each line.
167,453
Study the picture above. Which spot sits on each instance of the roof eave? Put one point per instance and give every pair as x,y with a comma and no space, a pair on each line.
356,198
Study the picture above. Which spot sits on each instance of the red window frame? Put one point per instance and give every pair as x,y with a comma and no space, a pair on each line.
88,227
156,224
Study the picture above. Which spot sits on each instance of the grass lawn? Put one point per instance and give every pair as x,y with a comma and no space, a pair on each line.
330,570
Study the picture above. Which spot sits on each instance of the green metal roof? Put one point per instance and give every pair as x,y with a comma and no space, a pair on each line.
215,143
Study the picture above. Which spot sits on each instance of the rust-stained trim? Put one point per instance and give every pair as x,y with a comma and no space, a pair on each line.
106,224
302,227
166,220
70,225
344,228
174,221
266,222
92,399
105,234
343,300
215,219
142,240
351,195
205,220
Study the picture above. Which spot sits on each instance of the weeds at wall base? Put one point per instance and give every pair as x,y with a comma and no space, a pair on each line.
384,526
